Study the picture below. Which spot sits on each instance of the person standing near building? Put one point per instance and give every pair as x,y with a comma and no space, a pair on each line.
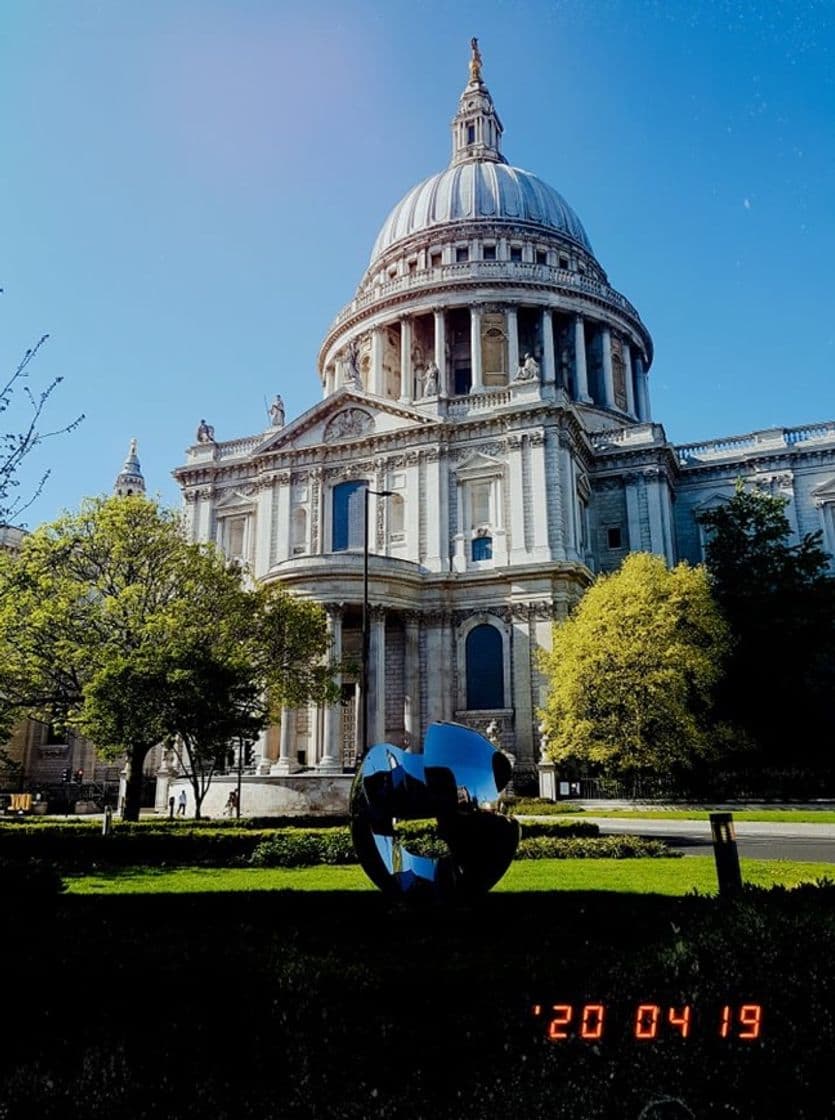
181,803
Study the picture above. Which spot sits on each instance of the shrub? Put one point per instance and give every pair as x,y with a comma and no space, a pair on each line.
304,847
600,847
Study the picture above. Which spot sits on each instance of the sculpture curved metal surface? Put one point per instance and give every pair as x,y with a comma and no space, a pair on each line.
457,780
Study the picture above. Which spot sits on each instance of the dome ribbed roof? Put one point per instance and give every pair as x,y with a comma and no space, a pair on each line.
479,190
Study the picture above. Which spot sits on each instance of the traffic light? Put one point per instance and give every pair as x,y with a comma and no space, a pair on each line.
79,776
66,775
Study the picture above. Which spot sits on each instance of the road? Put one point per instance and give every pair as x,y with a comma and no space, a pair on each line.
755,839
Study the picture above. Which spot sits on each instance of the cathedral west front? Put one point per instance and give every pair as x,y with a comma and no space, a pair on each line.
489,388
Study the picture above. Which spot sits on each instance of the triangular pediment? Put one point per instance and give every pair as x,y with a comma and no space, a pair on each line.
342,417
825,492
236,498
713,501
479,465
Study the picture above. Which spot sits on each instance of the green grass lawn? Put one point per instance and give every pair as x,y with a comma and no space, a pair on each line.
776,816
656,876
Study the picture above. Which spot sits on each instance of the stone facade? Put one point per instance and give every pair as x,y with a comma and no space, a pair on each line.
488,378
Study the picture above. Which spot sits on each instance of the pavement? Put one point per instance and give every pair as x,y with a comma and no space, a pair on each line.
755,839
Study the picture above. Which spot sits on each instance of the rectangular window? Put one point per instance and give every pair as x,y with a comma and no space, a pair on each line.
479,504
541,256
462,255
435,260
489,252
515,253
563,262
482,548
235,538
614,537
471,134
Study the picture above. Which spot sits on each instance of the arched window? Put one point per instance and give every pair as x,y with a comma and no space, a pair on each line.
347,516
485,668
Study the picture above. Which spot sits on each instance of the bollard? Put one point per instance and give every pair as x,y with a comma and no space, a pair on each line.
726,854
107,823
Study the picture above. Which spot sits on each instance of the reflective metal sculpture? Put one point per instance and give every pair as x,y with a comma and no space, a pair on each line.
457,780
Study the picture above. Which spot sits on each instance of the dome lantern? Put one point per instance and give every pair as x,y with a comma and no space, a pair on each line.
476,128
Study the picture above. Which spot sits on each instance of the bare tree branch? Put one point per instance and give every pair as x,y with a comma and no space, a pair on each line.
15,446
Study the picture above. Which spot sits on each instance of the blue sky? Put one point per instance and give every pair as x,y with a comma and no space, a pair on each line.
190,191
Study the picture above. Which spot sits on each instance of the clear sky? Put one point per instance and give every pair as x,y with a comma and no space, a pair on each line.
189,191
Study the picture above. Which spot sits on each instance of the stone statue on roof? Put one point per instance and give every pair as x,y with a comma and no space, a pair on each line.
529,369
205,432
430,381
276,411
475,61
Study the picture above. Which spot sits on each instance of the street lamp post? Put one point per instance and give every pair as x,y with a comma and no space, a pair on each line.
364,683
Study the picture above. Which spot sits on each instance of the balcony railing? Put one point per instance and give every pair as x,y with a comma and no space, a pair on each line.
765,440
484,271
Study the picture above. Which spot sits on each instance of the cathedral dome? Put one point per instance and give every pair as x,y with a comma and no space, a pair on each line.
480,190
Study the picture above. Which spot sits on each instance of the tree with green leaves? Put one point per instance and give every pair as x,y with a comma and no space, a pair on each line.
631,674
113,624
779,601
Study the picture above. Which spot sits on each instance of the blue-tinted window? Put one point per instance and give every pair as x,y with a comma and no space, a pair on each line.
485,668
483,548
348,516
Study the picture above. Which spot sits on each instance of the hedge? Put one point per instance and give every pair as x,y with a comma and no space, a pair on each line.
76,849
299,848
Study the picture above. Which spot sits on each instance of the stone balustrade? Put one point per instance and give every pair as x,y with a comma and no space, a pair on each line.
629,436
485,401
765,439
485,272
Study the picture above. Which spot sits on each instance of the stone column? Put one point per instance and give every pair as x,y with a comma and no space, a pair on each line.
282,516
518,547
627,373
406,360
569,503
608,376
580,361
642,386
477,383
654,485
377,362
331,760
539,535
314,733
377,677
512,343
411,691
263,762
264,533
436,499
286,762
440,352
549,371
338,374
